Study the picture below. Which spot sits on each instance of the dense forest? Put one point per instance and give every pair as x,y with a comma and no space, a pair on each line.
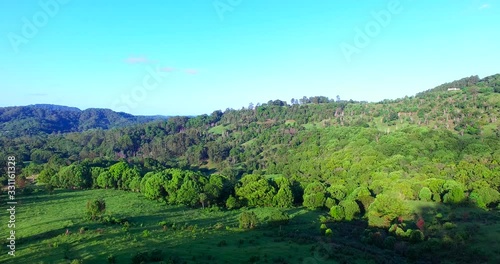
354,161
43,119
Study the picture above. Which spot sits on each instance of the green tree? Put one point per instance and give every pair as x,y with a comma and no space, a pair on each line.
455,192
425,194
255,190
387,207
314,195
337,213
232,202
351,209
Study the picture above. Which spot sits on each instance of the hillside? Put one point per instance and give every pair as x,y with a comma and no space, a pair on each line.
411,180
47,119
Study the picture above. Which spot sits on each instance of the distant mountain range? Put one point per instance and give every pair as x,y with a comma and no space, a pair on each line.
37,119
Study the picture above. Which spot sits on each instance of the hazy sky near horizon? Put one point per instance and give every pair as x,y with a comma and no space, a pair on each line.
187,57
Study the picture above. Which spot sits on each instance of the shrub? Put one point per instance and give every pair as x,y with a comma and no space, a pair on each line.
328,232
416,236
95,208
146,233
403,234
248,220
163,224
449,225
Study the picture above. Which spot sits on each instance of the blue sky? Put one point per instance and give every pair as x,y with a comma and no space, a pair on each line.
187,57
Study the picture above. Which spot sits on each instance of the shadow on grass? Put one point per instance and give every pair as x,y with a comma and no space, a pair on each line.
451,234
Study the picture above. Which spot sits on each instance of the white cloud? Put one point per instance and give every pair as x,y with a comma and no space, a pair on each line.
484,6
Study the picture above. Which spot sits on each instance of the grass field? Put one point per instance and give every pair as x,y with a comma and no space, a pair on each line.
53,229
191,235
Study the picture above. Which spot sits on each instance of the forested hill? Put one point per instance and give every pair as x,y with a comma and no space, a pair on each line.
47,119
377,162
252,138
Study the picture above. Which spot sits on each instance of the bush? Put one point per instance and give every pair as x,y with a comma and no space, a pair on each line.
449,225
416,236
248,220
95,208
328,232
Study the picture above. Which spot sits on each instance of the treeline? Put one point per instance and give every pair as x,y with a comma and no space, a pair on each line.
381,193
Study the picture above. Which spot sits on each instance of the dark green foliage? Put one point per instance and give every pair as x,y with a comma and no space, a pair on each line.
255,190
95,208
389,242
416,236
232,203
387,207
360,160
140,257
314,195
156,255
248,220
